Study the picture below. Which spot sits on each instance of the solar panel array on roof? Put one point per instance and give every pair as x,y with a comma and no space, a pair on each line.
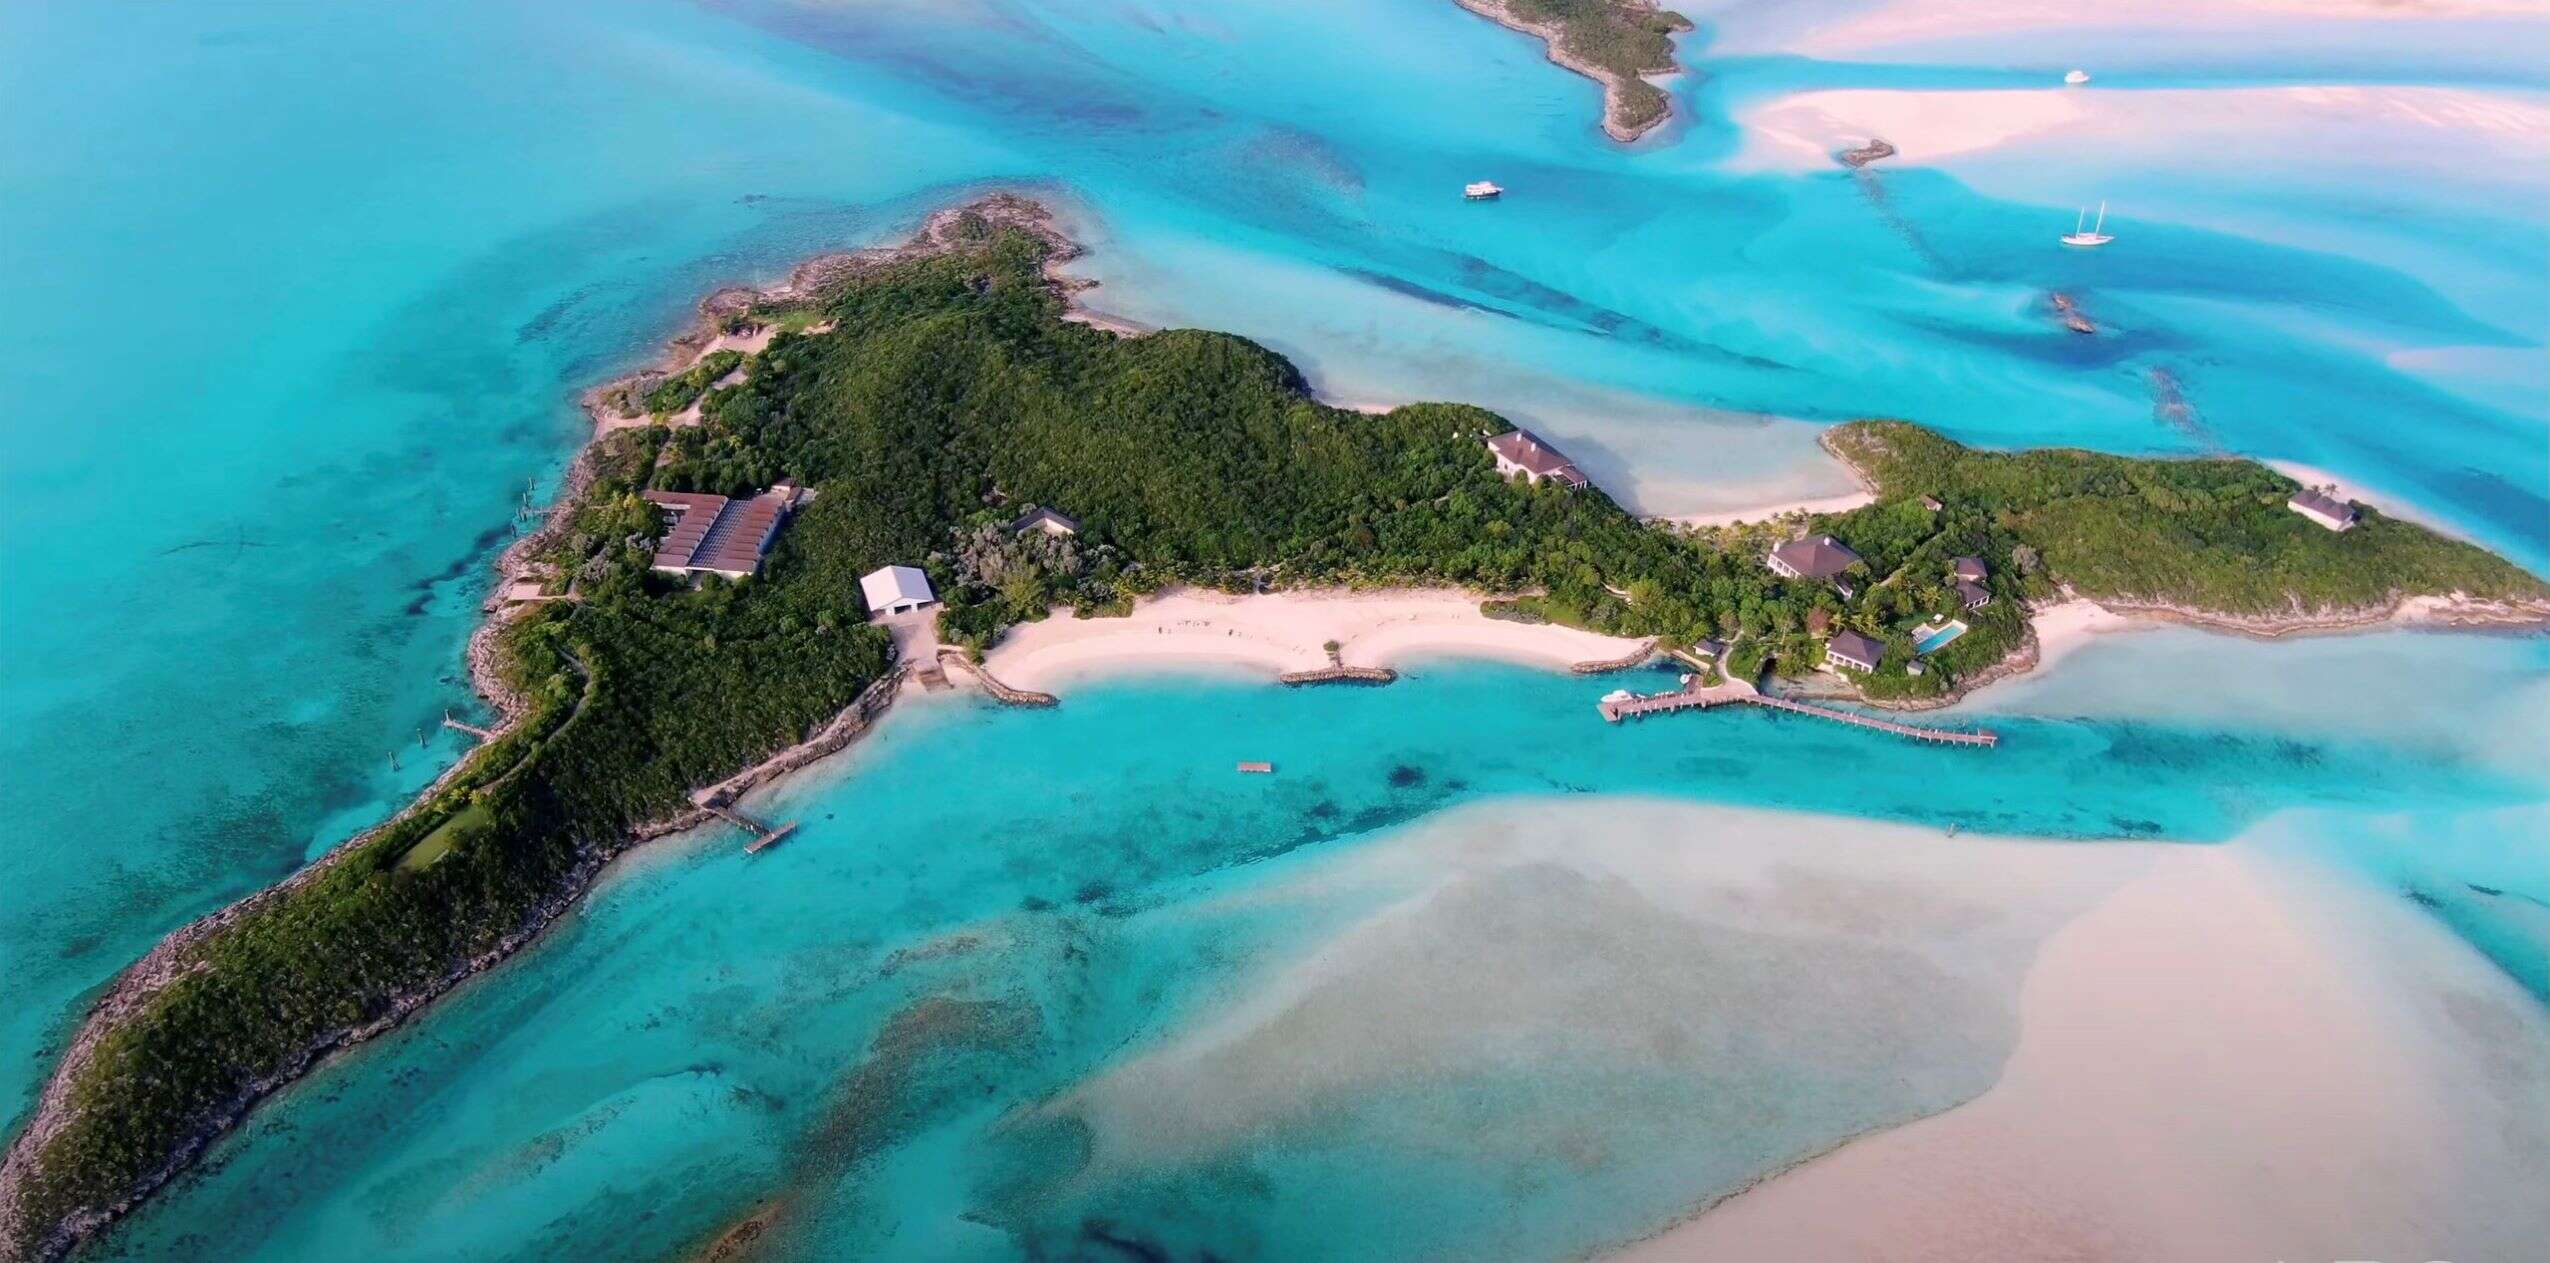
716,535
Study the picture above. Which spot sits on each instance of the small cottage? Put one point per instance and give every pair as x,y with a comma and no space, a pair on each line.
1853,650
2327,510
1046,520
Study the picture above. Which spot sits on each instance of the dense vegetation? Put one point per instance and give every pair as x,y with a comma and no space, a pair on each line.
949,397
1623,38
2210,535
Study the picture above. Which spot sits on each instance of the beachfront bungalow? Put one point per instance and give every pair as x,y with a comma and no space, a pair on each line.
1821,558
1046,520
1970,569
1522,452
1708,649
1853,650
1973,596
2327,510
716,535
896,590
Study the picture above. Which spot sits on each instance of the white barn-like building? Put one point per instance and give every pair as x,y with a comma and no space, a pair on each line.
896,590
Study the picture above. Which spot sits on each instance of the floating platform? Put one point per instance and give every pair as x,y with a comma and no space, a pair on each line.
1253,766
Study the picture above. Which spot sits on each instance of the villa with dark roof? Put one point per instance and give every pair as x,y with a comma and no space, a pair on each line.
1523,452
1853,650
1821,558
716,535
2327,510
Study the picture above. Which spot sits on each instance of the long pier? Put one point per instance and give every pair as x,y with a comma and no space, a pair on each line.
472,729
1741,693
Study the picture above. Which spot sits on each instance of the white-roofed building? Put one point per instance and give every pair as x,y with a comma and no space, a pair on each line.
896,590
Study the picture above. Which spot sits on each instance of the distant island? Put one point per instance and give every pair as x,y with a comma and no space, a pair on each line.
928,423
1616,43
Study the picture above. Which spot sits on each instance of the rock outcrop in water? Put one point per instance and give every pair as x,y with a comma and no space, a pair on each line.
1875,149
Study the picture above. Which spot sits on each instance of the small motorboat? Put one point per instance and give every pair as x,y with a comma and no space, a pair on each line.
1482,191
2077,78
2086,234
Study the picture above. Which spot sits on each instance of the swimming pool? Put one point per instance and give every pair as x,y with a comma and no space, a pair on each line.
1932,639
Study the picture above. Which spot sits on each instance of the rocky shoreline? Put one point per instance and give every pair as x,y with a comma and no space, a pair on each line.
1614,83
944,230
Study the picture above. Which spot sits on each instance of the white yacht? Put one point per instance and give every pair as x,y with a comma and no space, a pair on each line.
2077,78
1482,191
2085,233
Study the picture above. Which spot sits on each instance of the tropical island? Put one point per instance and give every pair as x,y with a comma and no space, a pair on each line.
1616,43
934,409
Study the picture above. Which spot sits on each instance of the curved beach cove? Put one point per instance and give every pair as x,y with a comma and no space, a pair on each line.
2230,948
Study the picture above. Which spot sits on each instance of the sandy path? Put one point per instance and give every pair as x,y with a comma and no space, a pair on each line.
1286,631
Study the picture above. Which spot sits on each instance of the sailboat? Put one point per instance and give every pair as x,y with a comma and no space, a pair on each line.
2085,234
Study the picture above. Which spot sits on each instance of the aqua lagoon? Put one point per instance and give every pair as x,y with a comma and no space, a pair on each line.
363,257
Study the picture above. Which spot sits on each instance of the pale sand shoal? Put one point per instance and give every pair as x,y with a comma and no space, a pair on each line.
1804,130
1285,631
2227,1059
1863,29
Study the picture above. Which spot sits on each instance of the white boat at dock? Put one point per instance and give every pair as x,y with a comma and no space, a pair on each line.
1482,190
2091,234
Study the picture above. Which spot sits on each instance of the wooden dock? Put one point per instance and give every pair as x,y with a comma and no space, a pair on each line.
764,836
472,729
1741,693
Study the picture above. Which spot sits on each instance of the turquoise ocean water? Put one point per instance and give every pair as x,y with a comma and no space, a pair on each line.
303,291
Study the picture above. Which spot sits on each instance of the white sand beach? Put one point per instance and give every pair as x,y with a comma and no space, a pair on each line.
2229,1058
1769,512
2062,630
1285,631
